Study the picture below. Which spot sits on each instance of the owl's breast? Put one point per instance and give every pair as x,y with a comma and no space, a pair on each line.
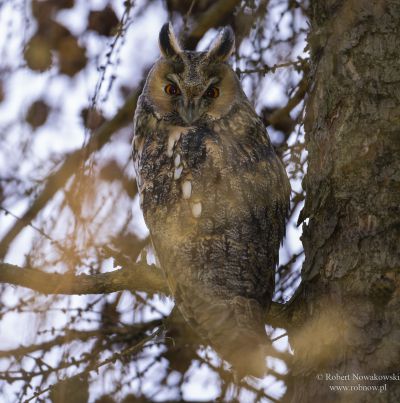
193,172
168,162
215,205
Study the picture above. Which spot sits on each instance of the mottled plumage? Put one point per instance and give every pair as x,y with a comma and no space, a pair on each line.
214,195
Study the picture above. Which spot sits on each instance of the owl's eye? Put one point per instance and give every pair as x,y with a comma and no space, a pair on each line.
172,89
212,92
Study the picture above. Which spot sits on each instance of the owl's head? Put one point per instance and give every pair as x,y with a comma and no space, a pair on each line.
189,86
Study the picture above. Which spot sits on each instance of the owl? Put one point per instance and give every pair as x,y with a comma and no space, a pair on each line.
214,196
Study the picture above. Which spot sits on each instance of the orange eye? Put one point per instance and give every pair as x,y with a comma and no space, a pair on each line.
212,92
171,89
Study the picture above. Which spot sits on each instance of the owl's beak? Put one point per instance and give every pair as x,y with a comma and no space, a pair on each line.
190,112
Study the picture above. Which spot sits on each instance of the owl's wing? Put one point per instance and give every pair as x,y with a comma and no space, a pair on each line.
138,140
254,178
144,126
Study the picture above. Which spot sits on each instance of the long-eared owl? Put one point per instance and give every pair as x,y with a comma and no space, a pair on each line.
214,195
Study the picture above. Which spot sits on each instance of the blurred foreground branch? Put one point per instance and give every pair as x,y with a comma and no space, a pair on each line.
60,177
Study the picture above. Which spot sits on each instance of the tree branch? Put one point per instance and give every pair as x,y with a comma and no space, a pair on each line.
82,335
277,116
280,118
209,19
140,277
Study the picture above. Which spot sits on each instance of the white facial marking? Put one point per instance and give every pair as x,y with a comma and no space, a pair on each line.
178,172
177,160
186,189
196,209
141,197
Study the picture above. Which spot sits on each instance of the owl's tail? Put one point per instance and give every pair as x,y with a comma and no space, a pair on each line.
235,329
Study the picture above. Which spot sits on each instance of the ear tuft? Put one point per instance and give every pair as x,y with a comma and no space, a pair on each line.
169,45
223,45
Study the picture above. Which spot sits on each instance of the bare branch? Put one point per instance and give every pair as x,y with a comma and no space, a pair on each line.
139,277
209,19
280,114
82,335
271,69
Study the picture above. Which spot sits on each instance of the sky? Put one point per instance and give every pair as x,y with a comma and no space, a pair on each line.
64,133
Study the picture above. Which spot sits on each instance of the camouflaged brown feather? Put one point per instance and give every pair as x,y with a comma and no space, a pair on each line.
214,195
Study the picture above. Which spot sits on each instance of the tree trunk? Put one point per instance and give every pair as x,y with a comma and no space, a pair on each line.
350,302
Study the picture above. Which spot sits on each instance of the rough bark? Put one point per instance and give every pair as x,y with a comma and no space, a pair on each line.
351,296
